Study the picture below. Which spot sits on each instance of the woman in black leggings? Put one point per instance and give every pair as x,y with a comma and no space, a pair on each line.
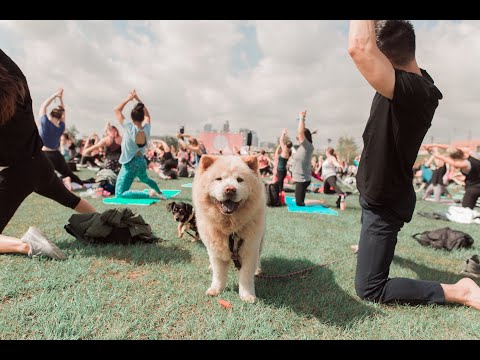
24,168
329,174
284,151
51,129
469,165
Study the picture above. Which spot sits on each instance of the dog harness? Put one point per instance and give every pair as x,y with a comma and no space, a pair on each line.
234,250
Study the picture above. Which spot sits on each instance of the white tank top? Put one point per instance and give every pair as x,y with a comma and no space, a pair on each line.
328,169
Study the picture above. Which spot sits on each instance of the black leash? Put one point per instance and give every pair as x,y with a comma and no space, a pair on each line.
190,234
295,273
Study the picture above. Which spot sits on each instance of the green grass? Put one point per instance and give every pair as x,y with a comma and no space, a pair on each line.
157,291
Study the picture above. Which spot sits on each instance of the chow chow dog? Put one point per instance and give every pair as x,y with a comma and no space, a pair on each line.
229,200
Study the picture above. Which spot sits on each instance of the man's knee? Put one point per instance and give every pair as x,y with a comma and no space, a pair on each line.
368,291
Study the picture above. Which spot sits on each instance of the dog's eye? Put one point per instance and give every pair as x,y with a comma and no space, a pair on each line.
239,179
219,179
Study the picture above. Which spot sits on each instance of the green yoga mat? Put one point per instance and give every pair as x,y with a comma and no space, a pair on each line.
124,201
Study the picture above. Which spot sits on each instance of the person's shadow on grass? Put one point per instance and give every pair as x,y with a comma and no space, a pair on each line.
427,273
314,294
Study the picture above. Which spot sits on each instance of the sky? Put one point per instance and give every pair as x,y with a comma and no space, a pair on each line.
255,74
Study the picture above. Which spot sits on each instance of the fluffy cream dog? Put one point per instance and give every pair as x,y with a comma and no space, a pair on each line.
229,198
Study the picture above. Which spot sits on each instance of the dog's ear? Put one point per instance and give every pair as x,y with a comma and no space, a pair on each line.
251,161
206,161
170,206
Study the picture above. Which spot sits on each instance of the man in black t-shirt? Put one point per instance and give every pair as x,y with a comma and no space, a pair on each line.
401,114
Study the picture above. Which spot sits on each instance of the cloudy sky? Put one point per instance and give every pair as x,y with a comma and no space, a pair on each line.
255,74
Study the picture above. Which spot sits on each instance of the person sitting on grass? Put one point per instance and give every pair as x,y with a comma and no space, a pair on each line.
134,142
24,167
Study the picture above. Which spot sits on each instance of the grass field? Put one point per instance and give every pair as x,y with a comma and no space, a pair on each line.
157,291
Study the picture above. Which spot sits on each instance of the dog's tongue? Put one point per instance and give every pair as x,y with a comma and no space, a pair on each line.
229,206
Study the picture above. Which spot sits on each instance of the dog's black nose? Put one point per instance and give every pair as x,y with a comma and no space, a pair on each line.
230,190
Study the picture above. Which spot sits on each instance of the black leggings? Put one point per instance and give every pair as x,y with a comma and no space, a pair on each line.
59,164
35,175
89,159
332,182
472,193
300,192
281,175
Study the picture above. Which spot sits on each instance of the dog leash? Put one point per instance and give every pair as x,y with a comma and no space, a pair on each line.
296,273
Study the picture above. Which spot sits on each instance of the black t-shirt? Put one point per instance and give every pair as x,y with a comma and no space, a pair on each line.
19,138
393,136
473,177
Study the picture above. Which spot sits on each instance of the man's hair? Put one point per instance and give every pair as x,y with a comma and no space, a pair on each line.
396,39
12,92
289,144
57,112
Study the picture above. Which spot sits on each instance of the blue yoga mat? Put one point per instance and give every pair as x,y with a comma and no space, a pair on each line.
309,209
187,185
124,201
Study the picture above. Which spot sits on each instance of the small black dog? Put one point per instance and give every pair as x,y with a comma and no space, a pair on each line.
184,214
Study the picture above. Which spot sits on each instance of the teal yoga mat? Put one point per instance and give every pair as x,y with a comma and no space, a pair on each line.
123,201
309,209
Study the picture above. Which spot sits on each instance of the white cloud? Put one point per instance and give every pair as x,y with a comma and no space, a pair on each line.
183,70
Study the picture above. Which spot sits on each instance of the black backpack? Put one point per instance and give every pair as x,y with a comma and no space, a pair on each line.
272,192
444,238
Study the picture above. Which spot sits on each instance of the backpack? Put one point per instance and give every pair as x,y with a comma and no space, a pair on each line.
444,238
272,192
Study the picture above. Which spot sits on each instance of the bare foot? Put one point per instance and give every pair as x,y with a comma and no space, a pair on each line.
314,202
354,248
472,295
156,195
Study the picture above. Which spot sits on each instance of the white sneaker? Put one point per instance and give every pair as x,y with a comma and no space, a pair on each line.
41,246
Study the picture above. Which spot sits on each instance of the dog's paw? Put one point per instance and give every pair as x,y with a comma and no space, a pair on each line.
213,292
248,298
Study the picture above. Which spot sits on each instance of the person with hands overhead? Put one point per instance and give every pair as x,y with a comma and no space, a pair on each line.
401,114
134,142
51,127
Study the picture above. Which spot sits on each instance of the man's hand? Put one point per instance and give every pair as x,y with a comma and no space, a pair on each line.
59,93
303,114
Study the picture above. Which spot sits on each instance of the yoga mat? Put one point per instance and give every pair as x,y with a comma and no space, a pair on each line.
309,209
187,185
124,201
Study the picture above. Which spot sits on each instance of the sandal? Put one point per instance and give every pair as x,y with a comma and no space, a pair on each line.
472,267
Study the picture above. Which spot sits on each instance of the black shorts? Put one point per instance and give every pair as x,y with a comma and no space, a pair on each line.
35,175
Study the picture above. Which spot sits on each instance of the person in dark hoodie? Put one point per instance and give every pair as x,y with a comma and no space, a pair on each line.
401,114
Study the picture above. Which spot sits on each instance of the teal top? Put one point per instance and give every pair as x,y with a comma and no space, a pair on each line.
129,146
282,163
